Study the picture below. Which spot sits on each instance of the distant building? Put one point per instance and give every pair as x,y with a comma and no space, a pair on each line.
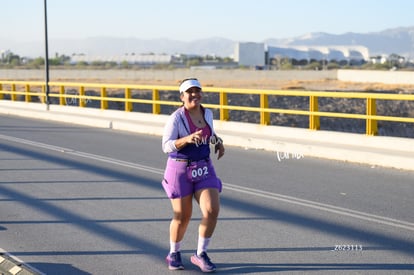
258,54
137,59
250,54
393,59
379,59
349,54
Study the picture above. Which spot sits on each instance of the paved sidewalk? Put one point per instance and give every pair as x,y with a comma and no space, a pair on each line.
381,151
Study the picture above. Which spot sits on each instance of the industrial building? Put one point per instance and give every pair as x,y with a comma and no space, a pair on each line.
250,54
258,54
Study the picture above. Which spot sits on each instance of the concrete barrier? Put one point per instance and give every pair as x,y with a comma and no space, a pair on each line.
385,77
381,151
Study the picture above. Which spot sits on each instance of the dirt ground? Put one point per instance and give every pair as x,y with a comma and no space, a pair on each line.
272,84
274,80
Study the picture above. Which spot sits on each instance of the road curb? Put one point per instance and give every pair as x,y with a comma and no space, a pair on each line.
10,265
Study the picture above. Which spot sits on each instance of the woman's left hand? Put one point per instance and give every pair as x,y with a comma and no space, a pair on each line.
219,147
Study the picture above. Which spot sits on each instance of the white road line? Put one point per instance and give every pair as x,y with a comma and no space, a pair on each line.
240,189
323,207
83,154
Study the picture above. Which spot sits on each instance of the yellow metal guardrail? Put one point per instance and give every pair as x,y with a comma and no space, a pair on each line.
30,89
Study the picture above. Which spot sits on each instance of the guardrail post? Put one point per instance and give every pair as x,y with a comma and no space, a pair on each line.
62,98
13,89
314,121
128,104
104,103
43,95
82,100
371,124
1,89
224,113
156,108
28,97
264,116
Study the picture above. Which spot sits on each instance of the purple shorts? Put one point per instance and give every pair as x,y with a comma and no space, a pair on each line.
182,179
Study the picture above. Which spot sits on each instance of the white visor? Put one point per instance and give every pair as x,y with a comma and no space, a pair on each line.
189,83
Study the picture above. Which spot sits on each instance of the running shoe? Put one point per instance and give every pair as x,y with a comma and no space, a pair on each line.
174,261
203,262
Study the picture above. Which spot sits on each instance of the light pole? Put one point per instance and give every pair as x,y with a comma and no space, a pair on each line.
46,59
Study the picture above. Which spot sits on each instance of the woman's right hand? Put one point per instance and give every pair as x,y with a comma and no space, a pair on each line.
190,139
195,137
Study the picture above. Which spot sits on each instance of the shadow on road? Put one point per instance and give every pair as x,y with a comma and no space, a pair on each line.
140,244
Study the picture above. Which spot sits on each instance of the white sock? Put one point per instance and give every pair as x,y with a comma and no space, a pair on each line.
175,247
202,244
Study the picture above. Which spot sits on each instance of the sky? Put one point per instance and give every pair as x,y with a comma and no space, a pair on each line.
187,20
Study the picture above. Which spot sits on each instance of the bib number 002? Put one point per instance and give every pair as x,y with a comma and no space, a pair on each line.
199,172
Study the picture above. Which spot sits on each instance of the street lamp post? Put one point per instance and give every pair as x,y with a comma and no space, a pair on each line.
46,58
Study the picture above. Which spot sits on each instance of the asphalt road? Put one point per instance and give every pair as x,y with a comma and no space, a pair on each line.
78,200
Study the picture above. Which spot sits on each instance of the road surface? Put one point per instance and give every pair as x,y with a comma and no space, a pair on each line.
80,200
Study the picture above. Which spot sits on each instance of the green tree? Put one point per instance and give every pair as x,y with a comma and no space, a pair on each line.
193,62
82,64
10,58
37,62
124,65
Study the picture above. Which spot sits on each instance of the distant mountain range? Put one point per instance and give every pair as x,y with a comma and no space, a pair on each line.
399,41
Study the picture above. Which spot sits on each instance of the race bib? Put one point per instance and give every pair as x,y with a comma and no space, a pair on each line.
198,170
